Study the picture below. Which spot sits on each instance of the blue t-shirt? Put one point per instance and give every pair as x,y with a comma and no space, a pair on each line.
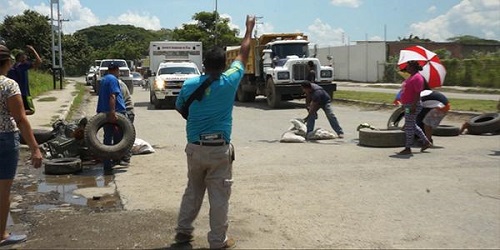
213,114
19,73
109,86
319,95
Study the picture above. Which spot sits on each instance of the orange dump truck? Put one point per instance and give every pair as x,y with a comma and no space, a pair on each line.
276,67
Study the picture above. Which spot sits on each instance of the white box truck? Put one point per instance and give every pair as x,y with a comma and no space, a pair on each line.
183,60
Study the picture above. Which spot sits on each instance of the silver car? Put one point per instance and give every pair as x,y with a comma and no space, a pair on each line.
137,79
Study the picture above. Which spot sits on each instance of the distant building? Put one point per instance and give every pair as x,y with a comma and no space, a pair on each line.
365,61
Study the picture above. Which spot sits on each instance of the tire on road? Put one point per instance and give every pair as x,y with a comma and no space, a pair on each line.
396,118
59,166
381,138
446,130
41,136
98,148
485,123
273,96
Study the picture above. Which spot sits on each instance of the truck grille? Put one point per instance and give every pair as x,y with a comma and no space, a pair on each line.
299,72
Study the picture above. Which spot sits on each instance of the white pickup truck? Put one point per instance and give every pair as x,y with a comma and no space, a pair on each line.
124,74
168,81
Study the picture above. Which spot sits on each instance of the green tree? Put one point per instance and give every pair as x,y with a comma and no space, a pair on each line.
210,29
467,39
76,53
414,39
30,28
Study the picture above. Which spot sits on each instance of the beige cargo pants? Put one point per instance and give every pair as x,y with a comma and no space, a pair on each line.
209,168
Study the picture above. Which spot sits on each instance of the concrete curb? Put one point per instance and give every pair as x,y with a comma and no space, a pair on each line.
386,105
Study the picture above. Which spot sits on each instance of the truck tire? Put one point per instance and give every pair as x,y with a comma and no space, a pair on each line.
153,100
485,123
273,96
59,166
242,95
381,138
397,118
98,148
446,130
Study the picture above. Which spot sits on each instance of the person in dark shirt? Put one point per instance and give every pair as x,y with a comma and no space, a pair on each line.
19,73
316,98
311,76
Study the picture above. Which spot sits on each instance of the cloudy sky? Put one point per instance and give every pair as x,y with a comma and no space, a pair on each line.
327,22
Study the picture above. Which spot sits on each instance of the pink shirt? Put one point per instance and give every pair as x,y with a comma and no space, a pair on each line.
411,88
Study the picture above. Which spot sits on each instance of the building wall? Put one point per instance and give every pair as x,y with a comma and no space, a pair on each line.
359,62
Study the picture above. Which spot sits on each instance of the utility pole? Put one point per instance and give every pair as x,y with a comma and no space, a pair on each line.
56,31
216,22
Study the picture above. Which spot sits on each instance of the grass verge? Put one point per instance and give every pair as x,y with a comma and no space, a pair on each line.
41,82
387,98
80,94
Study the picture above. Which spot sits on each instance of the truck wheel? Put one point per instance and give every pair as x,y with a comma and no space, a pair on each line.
244,96
381,138
153,100
273,97
109,151
485,123
396,117
62,166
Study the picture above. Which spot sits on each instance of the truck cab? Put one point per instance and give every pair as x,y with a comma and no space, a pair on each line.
168,81
124,74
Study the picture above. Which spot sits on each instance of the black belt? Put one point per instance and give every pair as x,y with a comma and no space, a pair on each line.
210,144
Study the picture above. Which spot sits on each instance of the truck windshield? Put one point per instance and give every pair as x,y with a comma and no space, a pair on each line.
120,63
284,50
177,70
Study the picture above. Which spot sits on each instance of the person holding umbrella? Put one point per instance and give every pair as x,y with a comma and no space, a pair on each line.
410,98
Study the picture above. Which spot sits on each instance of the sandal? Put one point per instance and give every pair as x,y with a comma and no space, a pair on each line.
13,239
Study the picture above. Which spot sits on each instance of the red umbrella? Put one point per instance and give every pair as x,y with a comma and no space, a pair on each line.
433,71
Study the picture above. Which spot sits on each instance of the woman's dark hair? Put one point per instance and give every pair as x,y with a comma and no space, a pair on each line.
415,65
215,60
4,55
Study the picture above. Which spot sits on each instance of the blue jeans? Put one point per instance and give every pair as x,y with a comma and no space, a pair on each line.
9,154
329,115
112,135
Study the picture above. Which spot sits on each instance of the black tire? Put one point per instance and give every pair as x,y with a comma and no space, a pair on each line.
397,118
273,97
244,96
62,166
153,100
382,138
41,136
98,148
446,130
485,123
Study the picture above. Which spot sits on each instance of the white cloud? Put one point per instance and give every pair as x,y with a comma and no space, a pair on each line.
479,18
431,9
347,3
12,8
144,20
324,35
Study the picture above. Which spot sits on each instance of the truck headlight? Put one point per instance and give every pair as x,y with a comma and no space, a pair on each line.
326,73
159,84
284,75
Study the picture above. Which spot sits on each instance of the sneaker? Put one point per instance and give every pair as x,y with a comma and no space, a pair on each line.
405,151
124,163
230,243
181,238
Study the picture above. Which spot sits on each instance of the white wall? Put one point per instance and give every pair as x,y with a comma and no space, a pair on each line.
361,62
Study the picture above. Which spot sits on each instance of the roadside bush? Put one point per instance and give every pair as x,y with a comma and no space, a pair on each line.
41,82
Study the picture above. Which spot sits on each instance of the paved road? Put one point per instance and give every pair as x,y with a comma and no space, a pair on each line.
366,87
327,194
331,194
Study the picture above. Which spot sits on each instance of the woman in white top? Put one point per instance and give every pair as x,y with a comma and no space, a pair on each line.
12,120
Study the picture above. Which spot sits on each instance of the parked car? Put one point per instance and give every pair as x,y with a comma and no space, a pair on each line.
89,77
137,79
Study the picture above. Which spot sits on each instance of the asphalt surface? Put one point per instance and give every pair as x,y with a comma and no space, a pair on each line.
324,194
